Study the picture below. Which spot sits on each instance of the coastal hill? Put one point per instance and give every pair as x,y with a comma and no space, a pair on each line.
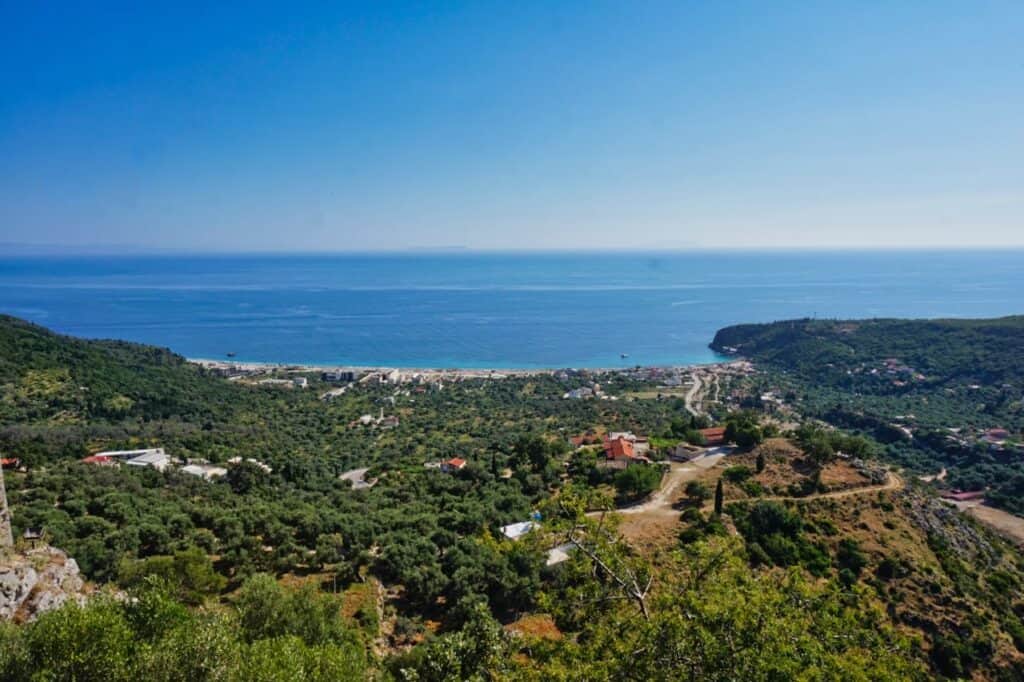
943,396
945,352
45,373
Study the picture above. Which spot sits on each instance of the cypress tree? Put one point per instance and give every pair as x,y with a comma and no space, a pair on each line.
718,497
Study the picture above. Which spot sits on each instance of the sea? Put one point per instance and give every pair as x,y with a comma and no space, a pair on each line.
490,310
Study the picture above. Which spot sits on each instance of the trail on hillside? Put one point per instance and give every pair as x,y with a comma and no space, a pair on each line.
661,502
892,482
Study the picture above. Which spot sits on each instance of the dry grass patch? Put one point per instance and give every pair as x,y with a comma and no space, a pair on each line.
535,626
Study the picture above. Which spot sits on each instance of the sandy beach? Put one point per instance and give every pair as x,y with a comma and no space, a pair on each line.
241,367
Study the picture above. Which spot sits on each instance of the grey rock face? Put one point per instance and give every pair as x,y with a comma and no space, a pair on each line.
36,581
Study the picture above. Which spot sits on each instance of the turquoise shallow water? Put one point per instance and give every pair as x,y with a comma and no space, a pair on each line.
490,310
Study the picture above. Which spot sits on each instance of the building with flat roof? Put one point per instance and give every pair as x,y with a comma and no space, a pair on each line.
129,454
154,460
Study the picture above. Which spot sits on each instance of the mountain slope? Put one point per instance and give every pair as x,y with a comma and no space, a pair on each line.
945,351
43,373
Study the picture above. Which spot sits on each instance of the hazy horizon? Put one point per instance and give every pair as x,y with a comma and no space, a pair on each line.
486,127
16,250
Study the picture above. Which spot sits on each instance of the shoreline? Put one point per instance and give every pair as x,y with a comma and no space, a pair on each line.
249,366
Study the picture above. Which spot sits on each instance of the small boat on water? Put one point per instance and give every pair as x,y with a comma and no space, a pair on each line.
231,355
623,355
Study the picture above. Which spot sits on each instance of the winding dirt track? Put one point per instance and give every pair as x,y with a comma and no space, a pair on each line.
655,522
892,482
660,503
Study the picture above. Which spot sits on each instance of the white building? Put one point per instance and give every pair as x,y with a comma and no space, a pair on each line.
155,460
204,471
514,531
129,454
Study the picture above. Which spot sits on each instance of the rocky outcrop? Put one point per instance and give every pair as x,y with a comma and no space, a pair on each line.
37,580
947,526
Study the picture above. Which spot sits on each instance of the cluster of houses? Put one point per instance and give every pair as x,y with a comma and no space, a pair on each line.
892,370
623,449
233,371
251,374
594,390
428,378
158,459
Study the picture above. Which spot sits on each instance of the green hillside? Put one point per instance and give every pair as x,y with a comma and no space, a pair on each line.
946,352
292,573
43,374
934,391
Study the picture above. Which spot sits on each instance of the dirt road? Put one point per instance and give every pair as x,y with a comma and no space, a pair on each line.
691,395
655,522
1004,523
662,500
892,482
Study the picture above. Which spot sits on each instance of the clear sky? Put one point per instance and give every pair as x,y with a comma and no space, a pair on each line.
221,126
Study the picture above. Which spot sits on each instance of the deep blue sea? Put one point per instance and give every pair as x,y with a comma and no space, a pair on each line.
489,310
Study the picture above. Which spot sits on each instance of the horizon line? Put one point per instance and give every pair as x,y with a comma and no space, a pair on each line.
56,250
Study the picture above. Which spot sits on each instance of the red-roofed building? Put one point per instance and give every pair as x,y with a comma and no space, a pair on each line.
585,439
453,464
618,448
10,462
101,460
714,436
961,496
621,452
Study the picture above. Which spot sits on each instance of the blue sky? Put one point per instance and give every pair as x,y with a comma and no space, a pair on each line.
526,125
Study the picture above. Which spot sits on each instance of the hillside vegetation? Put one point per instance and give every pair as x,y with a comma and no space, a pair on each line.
949,353
941,394
288,572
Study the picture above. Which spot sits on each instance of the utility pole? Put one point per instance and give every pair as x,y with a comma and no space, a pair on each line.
6,537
